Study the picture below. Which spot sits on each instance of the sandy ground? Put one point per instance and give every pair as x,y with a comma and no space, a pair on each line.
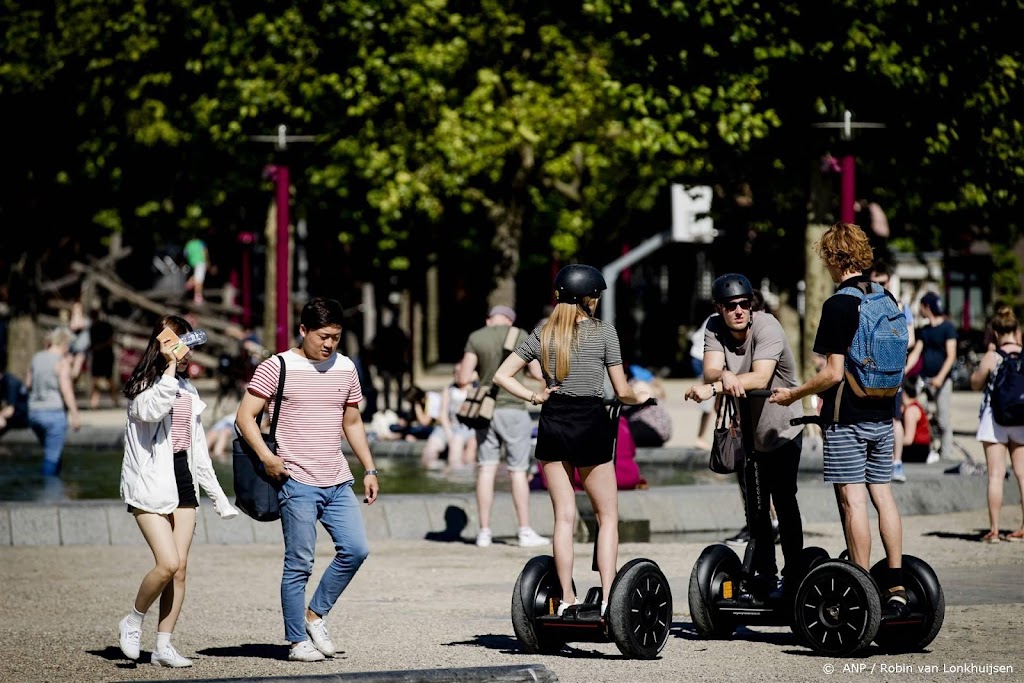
421,605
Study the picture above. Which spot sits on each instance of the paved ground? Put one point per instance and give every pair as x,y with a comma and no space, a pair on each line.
424,605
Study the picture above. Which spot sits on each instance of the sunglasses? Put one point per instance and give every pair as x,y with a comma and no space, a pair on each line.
732,305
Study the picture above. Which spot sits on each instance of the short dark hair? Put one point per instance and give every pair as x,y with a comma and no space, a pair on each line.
881,266
910,387
321,312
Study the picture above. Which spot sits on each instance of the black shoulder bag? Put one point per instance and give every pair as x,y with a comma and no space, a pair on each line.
255,491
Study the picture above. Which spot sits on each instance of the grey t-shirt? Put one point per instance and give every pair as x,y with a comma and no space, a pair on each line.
766,340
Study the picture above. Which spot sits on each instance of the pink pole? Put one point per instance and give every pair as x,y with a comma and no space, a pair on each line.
847,192
283,303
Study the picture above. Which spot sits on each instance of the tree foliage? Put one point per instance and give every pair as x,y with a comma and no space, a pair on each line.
506,129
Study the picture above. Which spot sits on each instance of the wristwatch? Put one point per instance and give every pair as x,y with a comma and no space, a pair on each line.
370,473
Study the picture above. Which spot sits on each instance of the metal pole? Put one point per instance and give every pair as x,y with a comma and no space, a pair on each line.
612,270
847,193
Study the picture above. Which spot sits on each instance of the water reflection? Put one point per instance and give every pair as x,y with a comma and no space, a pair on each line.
90,474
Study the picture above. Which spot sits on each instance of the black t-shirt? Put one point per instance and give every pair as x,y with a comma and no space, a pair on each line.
840,316
933,352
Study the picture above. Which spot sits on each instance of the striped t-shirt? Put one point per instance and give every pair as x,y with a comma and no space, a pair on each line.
597,350
309,431
181,422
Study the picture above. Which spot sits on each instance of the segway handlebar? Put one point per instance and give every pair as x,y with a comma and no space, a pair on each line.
804,420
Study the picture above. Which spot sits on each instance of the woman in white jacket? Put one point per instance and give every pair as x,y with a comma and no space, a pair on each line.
165,455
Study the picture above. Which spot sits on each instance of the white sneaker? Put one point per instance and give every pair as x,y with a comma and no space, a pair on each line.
305,652
528,538
130,638
318,634
170,657
483,539
933,457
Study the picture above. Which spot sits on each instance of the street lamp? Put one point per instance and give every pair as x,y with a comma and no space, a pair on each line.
279,174
847,163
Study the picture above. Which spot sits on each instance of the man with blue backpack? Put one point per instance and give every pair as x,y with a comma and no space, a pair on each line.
863,336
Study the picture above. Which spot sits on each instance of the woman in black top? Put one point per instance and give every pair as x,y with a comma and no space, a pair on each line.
576,352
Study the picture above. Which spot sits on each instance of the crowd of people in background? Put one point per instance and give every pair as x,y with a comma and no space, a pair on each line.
83,367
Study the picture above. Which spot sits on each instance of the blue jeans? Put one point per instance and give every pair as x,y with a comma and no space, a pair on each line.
337,509
51,428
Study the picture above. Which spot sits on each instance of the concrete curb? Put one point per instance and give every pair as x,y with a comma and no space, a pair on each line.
447,517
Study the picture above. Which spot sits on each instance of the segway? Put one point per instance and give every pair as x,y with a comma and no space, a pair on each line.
722,592
637,619
838,605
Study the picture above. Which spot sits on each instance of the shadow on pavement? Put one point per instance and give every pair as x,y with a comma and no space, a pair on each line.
509,645
974,536
261,650
114,654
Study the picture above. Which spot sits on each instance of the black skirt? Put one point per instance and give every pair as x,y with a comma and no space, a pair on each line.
186,489
575,429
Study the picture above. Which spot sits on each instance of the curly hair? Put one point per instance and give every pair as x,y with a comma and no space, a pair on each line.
845,247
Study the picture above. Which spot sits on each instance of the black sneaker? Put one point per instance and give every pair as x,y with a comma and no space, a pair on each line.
742,538
896,604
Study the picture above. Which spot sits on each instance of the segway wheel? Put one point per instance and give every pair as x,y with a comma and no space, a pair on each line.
718,563
925,598
837,610
812,556
640,610
536,585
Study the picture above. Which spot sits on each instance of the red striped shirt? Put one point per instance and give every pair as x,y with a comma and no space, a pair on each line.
181,422
309,431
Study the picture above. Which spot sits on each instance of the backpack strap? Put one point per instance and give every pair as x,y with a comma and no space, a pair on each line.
511,337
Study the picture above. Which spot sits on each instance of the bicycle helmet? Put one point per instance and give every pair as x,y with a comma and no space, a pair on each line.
730,286
577,281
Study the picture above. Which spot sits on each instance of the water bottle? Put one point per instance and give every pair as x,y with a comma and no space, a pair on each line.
194,338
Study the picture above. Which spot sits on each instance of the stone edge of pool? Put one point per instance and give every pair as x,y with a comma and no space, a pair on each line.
702,508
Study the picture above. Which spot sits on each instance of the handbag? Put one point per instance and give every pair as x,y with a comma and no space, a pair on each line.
477,409
255,491
727,452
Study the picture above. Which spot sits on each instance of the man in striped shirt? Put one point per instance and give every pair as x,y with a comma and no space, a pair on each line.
319,407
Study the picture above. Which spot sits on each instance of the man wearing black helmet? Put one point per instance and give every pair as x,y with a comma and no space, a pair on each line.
577,352
745,350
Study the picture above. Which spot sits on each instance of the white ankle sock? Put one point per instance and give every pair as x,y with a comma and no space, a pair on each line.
162,641
135,617
604,607
562,605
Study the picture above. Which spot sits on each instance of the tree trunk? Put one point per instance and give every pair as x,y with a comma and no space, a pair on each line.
22,343
508,233
431,352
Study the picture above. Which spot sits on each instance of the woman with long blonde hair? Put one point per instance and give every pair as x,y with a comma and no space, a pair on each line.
576,352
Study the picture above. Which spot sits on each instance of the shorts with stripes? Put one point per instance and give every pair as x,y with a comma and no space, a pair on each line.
858,453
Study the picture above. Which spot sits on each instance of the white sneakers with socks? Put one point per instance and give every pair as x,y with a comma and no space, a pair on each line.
317,632
168,656
305,652
130,637
483,538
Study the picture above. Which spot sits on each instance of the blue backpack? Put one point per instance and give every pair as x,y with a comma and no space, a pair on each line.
1007,391
878,351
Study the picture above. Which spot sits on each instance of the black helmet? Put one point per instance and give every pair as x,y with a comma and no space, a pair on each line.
730,286
577,281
